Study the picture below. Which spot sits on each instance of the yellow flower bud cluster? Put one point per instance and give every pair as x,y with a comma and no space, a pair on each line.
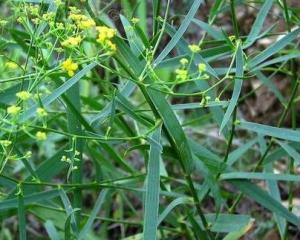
105,35
182,73
69,66
82,22
194,48
5,143
72,42
41,136
13,110
41,112
24,95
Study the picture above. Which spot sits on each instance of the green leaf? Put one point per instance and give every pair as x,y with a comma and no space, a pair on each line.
276,132
216,34
237,88
227,222
241,232
194,105
273,188
171,206
215,10
21,216
98,205
273,49
142,15
51,230
258,24
270,85
290,151
135,43
260,176
29,199
281,60
239,152
181,30
260,196
69,211
152,187
156,5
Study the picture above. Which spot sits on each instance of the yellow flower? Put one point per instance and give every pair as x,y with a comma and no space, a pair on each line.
112,47
105,34
201,67
86,24
184,61
28,154
104,37
5,143
74,10
83,22
36,21
72,42
181,74
33,10
11,65
135,20
13,110
60,26
70,67
41,136
41,112
48,17
194,48
23,95
76,17
232,38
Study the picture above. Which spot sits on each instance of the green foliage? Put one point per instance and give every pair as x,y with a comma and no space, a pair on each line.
117,124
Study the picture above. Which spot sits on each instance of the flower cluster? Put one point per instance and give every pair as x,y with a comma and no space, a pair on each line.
194,48
24,95
70,67
82,22
201,67
182,73
13,110
105,35
5,143
41,136
41,112
72,42
202,71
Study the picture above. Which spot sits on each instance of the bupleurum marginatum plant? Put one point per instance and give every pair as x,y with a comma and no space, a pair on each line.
149,120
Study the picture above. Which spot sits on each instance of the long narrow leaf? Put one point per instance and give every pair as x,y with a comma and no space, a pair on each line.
152,187
237,87
183,27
